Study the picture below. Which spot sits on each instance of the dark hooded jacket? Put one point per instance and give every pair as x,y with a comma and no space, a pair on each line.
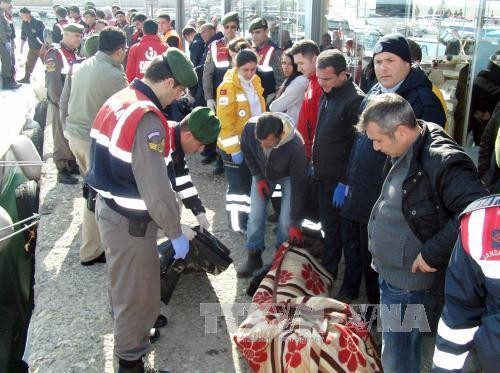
365,167
287,159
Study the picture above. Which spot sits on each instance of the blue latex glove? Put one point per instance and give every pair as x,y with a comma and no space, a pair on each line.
339,194
237,158
181,247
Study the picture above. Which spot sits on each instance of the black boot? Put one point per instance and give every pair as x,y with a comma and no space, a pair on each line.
25,80
10,83
73,167
254,262
64,177
219,166
136,366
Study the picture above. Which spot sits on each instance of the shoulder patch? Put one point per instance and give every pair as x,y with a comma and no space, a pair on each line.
223,92
156,141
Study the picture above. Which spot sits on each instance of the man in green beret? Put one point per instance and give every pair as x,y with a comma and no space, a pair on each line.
269,54
215,66
75,16
62,21
133,170
57,62
90,21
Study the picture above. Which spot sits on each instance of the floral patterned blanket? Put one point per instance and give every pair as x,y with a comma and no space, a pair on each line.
295,327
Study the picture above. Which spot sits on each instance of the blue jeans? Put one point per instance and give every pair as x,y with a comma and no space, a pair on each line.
400,348
256,227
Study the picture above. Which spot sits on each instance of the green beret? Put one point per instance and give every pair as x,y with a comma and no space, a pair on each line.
24,10
89,12
74,27
74,8
181,67
230,17
89,3
204,125
257,23
91,46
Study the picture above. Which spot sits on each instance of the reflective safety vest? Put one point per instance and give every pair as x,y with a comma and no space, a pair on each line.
221,59
66,56
113,134
266,70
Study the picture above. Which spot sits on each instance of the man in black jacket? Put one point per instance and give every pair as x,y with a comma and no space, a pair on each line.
337,116
31,31
392,64
414,223
274,152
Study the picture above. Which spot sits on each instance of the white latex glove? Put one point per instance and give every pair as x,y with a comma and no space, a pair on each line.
203,221
188,232
211,104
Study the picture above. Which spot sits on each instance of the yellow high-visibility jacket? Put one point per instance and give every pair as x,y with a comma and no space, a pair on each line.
233,110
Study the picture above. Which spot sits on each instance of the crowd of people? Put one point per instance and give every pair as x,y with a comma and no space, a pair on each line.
292,127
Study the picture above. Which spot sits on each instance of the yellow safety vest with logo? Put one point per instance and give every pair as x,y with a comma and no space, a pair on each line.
233,110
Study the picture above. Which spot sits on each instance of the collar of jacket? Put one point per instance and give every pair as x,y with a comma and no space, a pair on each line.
145,90
414,79
336,90
63,45
148,38
265,44
101,56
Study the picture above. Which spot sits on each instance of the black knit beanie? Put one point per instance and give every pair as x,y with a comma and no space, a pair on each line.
393,43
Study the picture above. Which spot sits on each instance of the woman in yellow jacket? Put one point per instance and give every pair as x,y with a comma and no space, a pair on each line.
239,97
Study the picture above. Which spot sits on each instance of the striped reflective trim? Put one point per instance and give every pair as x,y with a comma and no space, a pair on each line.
99,137
237,207
219,64
129,203
267,59
309,224
238,198
230,141
457,336
276,194
476,222
240,97
181,180
65,68
113,148
234,220
448,361
189,192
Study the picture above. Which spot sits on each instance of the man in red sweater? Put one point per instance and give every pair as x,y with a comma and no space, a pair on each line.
141,54
305,52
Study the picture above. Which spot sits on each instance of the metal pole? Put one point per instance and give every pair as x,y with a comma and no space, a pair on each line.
479,28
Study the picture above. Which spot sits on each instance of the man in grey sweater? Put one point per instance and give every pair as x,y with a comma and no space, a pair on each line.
414,223
93,82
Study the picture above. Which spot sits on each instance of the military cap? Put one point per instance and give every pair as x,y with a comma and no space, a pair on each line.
90,3
257,23
74,8
74,27
204,125
24,10
91,46
119,11
141,17
181,67
230,17
89,12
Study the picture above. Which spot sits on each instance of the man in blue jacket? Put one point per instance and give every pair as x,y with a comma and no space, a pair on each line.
392,63
274,152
